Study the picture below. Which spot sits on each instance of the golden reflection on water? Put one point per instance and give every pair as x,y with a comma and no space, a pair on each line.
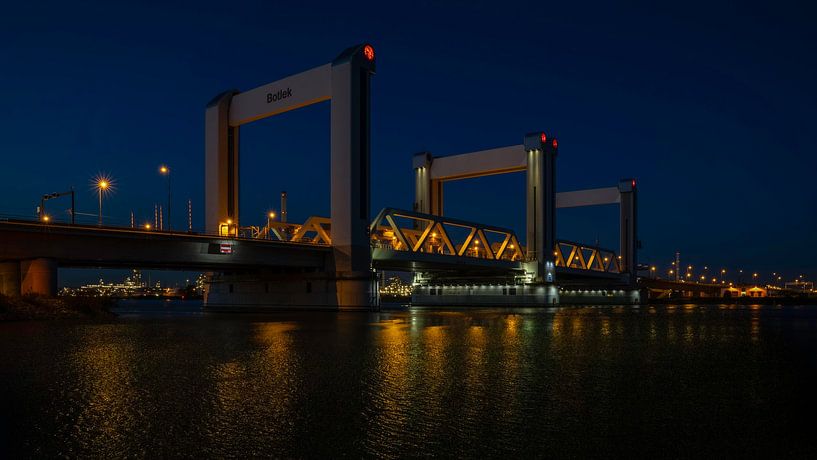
110,405
256,384
605,327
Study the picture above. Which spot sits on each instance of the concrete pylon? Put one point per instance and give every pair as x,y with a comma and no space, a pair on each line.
541,203
351,175
628,233
220,166
10,278
39,277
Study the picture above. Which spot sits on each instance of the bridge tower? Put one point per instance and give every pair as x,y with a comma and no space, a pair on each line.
346,82
541,203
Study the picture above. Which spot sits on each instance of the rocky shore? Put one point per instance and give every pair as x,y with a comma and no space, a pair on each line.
33,307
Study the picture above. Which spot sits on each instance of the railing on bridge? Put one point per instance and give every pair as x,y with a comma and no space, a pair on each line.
401,230
316,230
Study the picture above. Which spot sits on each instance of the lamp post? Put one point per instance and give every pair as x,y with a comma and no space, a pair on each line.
165,170
270,216
103,184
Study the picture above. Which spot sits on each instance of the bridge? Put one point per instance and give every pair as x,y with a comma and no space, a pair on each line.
331,262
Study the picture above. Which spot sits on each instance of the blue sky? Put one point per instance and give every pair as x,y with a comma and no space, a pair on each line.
711,106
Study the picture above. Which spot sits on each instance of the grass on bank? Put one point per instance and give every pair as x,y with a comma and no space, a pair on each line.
28,307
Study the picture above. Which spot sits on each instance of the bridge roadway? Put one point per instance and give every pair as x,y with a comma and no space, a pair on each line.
90,246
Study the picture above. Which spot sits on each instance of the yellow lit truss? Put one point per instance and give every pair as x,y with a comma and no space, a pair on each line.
426,233
586,257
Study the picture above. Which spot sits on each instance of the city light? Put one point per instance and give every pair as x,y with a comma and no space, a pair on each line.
46,218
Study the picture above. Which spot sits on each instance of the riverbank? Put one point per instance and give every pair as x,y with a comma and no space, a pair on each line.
33,307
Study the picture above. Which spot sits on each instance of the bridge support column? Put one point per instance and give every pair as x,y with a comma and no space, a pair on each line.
628,234
422,182
10,278
541,203
220,167
39,277
351,177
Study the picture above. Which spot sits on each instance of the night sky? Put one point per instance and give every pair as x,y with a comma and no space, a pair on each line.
712,107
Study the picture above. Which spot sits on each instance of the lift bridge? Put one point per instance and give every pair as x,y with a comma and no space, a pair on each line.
331,262
457,261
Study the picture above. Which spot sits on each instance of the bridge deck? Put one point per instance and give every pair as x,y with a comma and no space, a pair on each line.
88,246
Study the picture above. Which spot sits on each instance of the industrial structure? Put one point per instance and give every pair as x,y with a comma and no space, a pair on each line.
332,262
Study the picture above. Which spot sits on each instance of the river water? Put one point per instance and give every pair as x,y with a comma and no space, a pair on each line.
170,381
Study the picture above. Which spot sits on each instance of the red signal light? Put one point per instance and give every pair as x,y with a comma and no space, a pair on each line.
633,183
543,138
368,52
555,143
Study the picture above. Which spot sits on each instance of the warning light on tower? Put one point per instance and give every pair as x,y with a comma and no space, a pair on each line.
368,52
544,138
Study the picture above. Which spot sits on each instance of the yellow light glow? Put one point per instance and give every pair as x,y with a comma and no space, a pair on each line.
46,218
229,221
164,169
271,215
147,226
103,183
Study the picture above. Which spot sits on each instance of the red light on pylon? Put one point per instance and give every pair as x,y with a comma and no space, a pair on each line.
633,183
544,138
555,143
368,52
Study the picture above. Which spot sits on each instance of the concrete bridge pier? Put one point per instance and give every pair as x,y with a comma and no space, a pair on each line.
10,278
39,277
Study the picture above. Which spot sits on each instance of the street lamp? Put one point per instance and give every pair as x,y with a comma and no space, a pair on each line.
270,216
165,170
103,185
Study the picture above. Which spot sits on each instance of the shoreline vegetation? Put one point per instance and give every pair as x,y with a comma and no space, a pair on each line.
29,307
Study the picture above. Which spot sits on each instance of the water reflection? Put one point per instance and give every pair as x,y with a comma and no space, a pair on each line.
109,403
572,381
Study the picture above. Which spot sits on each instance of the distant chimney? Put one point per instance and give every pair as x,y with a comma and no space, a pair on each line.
283,206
